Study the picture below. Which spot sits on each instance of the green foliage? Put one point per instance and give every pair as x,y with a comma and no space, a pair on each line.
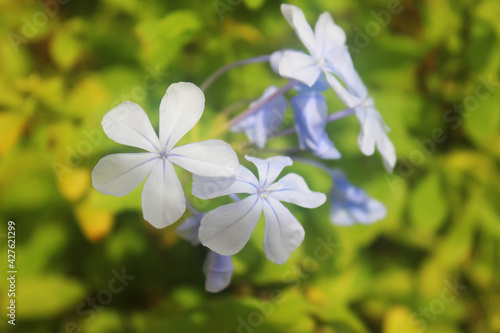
433,70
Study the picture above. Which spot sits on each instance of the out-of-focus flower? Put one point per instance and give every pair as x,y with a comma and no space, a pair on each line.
217,269
228,228
259,125
310,113
350,204
163,200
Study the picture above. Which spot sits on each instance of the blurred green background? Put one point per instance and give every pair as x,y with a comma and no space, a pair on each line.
431,266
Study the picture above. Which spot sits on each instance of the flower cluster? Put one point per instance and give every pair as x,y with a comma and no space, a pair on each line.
215,166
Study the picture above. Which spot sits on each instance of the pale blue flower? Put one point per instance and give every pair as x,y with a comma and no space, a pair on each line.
163,200
307,68
373,129
228,228
217,269
310,113
350,204
259,125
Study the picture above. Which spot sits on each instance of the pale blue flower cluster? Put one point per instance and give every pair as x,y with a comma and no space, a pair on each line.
216,167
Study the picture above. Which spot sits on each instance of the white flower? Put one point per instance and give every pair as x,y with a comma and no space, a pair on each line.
228,228
163,200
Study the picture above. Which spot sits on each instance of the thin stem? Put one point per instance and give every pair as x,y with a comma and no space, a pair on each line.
331,118
222,70
257,106
235,106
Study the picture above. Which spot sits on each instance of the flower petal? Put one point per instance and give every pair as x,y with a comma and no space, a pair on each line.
283,233
243,181
269,169
129,125
296,18
340,63
310,112
299,66
228,228
210,158
386,149
345,96
350,204
163,200
218,271
328,34
180,109
118,174
188,230
293,188
265,121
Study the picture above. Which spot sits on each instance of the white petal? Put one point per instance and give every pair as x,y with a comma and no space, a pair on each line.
180,109
299,66
328,34
387,150
228,228
293,188
340,62
367,135
269,169
163,200
118,174
129,125
345,96
218,271
275,60
283,233
210,158
243,181
296,18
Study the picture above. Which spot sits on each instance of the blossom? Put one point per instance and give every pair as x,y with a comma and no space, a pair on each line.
259,125
163,200
307,68
350,204
218,269
228,228
373,129
310,113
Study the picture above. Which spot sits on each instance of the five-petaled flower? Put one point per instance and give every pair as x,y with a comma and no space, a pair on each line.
163,200
228,228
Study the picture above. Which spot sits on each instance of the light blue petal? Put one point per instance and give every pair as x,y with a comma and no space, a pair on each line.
244,181
320,85
218,270
282,234
269,169
350,204
259,125
188,230
310,112
228,228
293,188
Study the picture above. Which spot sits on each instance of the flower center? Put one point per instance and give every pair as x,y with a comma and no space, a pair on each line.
263,192
163,154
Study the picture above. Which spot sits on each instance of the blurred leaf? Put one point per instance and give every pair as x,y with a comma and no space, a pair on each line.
74,184
47,296
95,223
163,39
398,319
11,126
428,207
